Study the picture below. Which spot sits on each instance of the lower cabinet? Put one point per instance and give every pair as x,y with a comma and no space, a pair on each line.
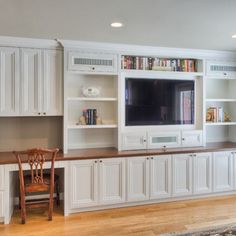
202,173
160,177
222,171
137,178
1,204
182,175
95,182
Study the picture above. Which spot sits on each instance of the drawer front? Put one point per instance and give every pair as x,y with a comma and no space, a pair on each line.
134,141
162,140
221,69
192,138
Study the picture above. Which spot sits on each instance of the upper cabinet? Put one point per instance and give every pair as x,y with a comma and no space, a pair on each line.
30,82
9,81
87,62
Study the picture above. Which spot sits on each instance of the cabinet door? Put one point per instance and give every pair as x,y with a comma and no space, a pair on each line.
112,180
52,82
182,174
134,141
191,138
202,168
165,139
160,177
84,183
222,171
1,204
137,178
2,187
9,81
31,82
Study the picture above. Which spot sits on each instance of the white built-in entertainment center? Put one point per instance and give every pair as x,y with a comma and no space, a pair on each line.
74,95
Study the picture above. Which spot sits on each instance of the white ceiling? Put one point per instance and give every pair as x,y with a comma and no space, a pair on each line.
205,24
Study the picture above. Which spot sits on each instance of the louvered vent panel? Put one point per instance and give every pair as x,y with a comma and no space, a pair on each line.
93,62
219,68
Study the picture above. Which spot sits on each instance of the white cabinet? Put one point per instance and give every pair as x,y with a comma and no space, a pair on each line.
112,180
160,177
202,173
2,187
222,171
52,83
31,82
182,174
95,62
97,182
84,183
132,141
1,204
137,179
164,139
191,138
9,81
41,82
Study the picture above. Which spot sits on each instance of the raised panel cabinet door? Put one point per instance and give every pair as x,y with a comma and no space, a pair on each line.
137,178
9,81
182,175
84,183
2,183
222,171
52,82
202,168
134,141
160,177
1,204
112,180
31,82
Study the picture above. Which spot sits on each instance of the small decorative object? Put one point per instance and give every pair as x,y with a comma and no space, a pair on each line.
227,117
91,91
99,121
82,120
210,115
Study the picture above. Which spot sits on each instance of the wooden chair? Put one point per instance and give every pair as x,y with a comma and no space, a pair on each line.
37,181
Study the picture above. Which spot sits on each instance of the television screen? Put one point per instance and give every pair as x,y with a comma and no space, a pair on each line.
159,102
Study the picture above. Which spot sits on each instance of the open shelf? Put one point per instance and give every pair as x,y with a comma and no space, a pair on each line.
95,99
92,126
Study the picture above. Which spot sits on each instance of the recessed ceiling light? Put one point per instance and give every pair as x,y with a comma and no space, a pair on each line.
116,24
234,36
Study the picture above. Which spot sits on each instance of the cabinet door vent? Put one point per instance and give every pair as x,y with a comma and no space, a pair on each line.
219,68
93,62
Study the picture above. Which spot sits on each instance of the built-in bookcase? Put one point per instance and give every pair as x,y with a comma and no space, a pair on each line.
220,99
103,132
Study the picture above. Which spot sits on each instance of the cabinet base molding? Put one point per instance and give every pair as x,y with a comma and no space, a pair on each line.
130,204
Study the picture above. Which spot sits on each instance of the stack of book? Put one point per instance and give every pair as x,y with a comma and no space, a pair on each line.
215,114
158,64
90,116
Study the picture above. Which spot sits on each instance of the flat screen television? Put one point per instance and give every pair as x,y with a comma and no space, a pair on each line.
159,101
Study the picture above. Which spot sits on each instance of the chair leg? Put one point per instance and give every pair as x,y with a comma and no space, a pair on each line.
23,211
50,209
19,201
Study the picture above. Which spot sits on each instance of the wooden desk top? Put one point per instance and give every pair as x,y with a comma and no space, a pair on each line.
97,153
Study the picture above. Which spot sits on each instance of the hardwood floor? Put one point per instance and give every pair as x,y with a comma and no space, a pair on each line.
146,220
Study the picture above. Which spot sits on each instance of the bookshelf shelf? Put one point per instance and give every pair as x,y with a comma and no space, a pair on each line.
95,99
220,123
92,126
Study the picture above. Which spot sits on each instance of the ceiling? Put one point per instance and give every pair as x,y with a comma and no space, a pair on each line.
202,24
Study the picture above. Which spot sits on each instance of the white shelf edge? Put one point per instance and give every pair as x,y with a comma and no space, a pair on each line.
221,100
220,78
95,99
92,126
219,123
163,72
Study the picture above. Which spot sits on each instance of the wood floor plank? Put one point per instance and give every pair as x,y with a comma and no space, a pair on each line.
148,220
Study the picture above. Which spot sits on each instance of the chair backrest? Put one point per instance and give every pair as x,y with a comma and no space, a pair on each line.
36,158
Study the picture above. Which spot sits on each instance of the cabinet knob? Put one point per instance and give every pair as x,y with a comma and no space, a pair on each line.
224,73
93,68
44,113
39,113
152,158
95,162
183,139
144,140
100,161
147,158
